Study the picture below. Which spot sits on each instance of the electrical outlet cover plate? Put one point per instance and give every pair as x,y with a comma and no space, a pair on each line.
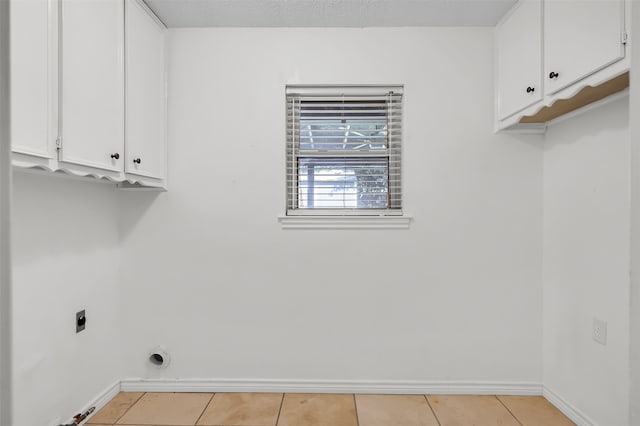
600,331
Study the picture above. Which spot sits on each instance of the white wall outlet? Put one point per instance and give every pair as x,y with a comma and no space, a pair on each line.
600,331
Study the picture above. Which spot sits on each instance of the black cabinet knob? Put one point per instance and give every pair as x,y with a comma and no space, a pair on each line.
530,89
115,156
553,74
137,160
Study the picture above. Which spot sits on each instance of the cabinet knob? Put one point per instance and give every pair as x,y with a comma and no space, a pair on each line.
553,75
137,160
530,89
115,156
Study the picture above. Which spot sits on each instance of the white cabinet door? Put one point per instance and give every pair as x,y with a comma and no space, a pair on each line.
145,95
92,83
519,58
32,80
581,37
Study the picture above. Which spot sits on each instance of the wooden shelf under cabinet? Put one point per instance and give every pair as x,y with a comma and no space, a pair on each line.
586,96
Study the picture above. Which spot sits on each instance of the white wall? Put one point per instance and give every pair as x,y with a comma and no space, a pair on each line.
5,247
586,261
65,258
634,126
209,273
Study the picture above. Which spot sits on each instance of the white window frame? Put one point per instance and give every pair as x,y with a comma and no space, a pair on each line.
392,217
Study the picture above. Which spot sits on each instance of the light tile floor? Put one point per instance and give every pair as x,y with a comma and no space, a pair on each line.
276,409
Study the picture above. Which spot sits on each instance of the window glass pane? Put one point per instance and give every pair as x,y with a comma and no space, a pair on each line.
350,125
355,182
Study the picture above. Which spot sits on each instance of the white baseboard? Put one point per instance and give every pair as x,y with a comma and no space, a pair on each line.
102,399
330,386
574,414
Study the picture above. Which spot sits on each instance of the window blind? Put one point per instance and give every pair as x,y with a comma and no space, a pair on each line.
344,150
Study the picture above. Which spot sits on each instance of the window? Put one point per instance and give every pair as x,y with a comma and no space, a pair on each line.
344,150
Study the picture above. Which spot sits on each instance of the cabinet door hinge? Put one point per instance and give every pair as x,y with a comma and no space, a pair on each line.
58,142
623,37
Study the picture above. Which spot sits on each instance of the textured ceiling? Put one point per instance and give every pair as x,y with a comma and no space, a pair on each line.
329,13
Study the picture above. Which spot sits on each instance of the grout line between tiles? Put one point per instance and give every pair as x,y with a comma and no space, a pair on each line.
355,405
510,412
205,408
432,410
280,409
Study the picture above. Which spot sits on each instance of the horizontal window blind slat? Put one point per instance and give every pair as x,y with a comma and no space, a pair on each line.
351,129
311,118
367,128
362,178
329,138
346,181
374,106
307,114
325,194
328,96
318,172
339,99
333,153
340,140
358,159
345,106
331,197
318,163
362,159
339,112
392,171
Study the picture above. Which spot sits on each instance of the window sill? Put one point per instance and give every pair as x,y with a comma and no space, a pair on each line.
344,222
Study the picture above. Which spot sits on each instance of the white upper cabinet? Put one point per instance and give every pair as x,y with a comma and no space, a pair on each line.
581,37
145,136
519,58
554,57
32,115
68,84
92,83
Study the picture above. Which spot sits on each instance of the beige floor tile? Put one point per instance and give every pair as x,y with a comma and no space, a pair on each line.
242,409
173,409
535,411
318,410
470,410
394,410
119,405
